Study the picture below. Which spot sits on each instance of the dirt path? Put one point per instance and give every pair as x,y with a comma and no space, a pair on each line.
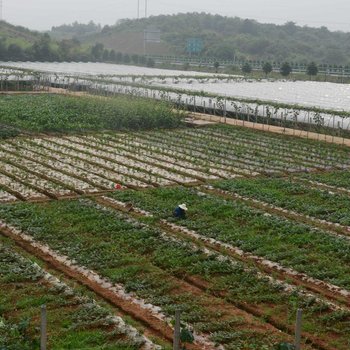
272,128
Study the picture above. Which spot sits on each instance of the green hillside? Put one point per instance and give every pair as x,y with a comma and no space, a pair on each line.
223,38
17,35
226,38
75,30
21,44
129,41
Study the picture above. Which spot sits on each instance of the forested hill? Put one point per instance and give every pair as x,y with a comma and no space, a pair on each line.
21,36
221,38
75,30
21,44
225,37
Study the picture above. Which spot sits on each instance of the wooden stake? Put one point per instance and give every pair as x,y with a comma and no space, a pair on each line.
298,329
176,345
43,328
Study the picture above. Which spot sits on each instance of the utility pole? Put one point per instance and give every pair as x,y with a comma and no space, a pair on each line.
146,7
138,9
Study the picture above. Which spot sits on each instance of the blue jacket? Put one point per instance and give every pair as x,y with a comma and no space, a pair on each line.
179,213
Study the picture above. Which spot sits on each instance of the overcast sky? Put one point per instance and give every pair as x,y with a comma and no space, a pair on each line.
43,14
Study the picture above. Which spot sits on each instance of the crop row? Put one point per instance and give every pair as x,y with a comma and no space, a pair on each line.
74,320
242,151
277,152
302,149
289,194
337,180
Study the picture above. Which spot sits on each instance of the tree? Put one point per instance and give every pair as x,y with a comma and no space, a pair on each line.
285,69
249,27
267,68
135,59
112,56
15,52
290,27
142,60
151,63
221,50
3,49
105,55
97,51
126,58
216,66
312,69
42,49
119,57
246,68
68,49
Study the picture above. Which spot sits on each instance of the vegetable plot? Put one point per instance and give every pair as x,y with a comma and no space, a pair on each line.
58,113
219,297
74,321
51,167
295,196
302,247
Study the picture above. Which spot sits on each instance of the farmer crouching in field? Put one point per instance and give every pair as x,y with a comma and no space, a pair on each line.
180,211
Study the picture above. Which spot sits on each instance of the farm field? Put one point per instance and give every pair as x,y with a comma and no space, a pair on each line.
168,272
60,113
37,168
75,321
267,231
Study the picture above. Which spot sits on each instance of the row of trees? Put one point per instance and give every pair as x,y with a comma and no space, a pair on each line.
101,54
285,69
48,50
43,49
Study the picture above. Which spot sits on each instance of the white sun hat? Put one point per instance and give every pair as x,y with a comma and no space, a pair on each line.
183,206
